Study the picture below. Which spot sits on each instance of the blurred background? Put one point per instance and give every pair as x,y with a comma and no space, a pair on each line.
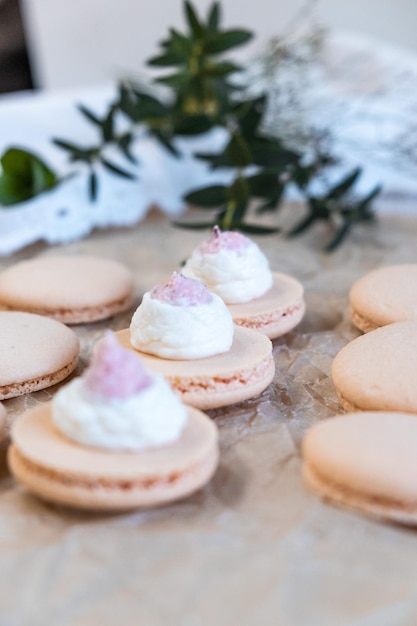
50,44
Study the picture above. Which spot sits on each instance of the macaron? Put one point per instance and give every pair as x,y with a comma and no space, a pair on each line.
234,267
276,312
378,371
70,289
366,462
64,472
384,296
35,352
212,382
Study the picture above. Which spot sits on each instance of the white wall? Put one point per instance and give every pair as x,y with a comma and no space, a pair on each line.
74,42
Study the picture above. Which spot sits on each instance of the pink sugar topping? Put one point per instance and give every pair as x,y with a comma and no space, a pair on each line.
115,372
227,240
182,291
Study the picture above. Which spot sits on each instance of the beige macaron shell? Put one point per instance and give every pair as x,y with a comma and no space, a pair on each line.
275,313
33,347
241,373
367,461
56,284
63,471
378,371
384,296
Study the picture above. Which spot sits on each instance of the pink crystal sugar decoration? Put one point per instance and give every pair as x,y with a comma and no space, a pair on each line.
227,240
115,372
182,291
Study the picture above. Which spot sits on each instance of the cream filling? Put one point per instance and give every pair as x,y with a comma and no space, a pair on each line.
203,385
260,321
127,484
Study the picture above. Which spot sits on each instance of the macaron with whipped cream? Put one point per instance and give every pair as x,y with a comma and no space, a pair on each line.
186,333
366,462
378,371
233,267
115,439
384,296
70,289
35,352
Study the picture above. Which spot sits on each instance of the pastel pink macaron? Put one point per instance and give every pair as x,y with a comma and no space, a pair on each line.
174,331
35,352
366,462
234,267
90,448
70,289
384,296
378,371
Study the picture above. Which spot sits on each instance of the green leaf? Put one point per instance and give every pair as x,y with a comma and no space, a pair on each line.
345,185
194,23
166,143
269,152
208,197
194,225
238,152
366,201
220,42
221,69
339,237
273,203
193,125
213,18
117,170
93,186
24,175
92,117
180,44
175,81
263,185
76,152
249,115
302,226
124,145
255,229
166,60
107,126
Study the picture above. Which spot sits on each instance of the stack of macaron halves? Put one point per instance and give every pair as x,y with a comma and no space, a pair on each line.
130,432
364,459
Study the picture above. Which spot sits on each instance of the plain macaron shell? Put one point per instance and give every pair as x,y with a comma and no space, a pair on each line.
366,461
62,471
209,383
384,296
35,352
378,371
274,313
71,289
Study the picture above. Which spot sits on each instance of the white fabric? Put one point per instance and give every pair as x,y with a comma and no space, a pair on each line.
363,91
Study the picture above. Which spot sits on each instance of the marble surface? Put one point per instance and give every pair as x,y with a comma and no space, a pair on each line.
255,546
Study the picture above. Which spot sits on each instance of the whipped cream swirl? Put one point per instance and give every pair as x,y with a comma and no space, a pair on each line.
117,405
231,265
181,320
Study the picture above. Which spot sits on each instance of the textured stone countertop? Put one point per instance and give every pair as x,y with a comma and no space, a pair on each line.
255,547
